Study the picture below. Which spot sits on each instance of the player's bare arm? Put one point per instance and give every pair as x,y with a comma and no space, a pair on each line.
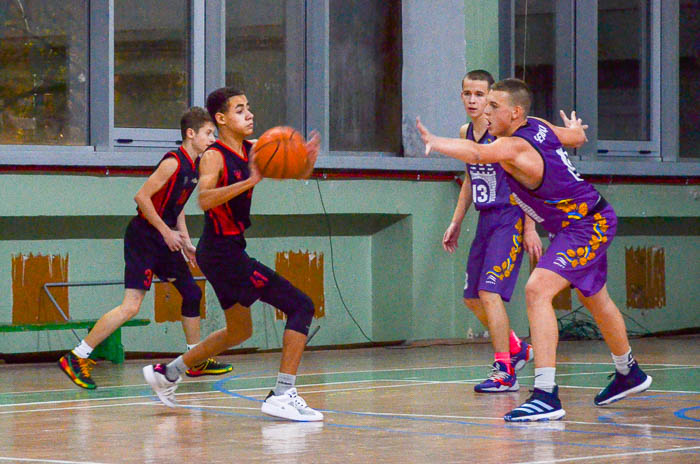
465,150
155,182
532,243
188,248
573,134
450,240
209,171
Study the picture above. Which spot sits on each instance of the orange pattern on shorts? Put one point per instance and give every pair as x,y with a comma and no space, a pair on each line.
506,267
583,255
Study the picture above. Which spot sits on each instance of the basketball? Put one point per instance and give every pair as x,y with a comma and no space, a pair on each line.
280,153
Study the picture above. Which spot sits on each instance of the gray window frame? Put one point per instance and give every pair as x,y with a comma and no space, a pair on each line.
577,89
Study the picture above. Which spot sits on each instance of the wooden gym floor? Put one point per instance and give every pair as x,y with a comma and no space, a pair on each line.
382,405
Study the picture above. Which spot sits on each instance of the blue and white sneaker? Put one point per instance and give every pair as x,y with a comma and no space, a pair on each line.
541,406
522,357
636,381
498,381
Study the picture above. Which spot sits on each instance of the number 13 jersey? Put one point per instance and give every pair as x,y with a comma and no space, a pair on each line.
489,185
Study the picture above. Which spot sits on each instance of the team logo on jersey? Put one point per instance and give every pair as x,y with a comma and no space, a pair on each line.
238,174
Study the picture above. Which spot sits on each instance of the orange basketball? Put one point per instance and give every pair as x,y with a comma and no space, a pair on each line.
280,153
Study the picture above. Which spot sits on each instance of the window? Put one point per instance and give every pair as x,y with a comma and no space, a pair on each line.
624,73
689,76
534,53
44,72
151,65
365,76
264,59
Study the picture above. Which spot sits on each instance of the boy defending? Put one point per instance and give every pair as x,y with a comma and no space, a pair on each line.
156,243
582,224
501,234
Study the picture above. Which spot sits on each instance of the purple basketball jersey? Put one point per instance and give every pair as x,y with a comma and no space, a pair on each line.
563,196
489,186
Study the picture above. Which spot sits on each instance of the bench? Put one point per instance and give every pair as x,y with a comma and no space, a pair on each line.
110,349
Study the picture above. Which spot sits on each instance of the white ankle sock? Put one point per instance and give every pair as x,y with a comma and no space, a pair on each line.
83,350
284,383
544,378
624,362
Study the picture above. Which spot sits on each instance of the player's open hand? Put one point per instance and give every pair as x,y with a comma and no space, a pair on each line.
425,135
313,146
573,122
451,237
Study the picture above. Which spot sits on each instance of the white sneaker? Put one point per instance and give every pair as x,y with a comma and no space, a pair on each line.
164,388
290,406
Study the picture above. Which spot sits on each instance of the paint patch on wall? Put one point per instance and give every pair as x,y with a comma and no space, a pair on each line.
167,300
305,271
30,304
645,274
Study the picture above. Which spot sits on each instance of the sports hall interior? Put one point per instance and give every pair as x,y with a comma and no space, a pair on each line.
90,96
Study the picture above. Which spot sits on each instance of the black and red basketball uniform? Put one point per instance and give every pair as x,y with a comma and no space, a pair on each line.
236,277
145,252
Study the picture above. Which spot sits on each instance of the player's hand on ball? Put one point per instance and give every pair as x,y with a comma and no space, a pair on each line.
255,175
313,145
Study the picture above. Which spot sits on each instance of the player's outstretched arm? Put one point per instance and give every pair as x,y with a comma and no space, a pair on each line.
210,168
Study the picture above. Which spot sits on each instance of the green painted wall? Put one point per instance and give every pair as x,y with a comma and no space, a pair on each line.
393,275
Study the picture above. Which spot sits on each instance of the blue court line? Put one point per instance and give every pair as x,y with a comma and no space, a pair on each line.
682,413
219,385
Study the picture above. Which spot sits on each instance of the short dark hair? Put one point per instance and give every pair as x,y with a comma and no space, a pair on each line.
519,91
479,75
217,101
194,118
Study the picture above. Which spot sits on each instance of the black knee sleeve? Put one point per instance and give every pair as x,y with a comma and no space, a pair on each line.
300,315
191,297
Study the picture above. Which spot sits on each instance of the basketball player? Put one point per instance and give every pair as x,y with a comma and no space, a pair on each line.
501,234
156,242
227,176
582,224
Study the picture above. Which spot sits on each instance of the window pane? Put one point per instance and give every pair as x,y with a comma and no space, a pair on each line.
689,54
624,79
365,75
534,46
43,72
256,59
151,65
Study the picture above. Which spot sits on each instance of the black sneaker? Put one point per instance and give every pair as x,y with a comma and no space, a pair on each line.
636,381
78,370
541,406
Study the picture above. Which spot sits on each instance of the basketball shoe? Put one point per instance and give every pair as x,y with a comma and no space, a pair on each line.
541,406
164,388
290,406
636,381
209,367
498,381
78,370
522,357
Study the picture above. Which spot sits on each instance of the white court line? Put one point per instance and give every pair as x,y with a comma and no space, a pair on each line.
56,461
398,369
606,456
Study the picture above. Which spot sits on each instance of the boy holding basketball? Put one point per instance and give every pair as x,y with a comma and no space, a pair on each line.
501,234
227,175
157,242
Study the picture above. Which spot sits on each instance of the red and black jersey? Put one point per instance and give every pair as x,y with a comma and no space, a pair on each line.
172,196
233,217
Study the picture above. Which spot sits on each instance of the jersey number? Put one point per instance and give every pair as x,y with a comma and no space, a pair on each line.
570,167
480,192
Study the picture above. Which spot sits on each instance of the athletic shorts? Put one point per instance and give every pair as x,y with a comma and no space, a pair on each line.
578,251
239,279
146,255
496,252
